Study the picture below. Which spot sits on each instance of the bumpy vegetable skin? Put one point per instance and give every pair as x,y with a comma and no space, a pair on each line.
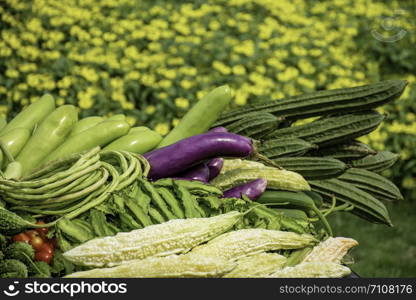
173,266
172,237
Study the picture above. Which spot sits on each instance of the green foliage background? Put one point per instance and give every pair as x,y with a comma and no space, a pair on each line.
153,59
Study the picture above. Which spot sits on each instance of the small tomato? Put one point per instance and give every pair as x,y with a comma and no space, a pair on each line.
43,256
21,237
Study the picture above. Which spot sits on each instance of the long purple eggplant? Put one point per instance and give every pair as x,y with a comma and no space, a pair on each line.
218,129
180,156
215,166
200,172
253,189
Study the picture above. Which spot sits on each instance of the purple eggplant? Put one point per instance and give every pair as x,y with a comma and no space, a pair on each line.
215,166
253,189
184,154
218,129
200,172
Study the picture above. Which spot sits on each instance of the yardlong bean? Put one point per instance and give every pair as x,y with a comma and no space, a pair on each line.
70,186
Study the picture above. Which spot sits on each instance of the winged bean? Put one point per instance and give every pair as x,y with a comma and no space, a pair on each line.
171,201
143,199
157,200
188,202
137,211
155,215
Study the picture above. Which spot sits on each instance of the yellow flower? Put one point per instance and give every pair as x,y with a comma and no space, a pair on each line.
201,94
133,75
310,84
34,99
247,48
109,37
182,102
27,67
405,154
85,102
12,73
89,74
261,69
97,41
52,55
131,120
306,67
289,74
182,28
322,78
150,109
154,46
163,95
214,25
240,97
118,96
63,93
49,85
3,110
239,70
162,128
221,67
170,74
116,82
186,84
5,51
277,95
409,182
16,96
274,62
60,101
315,52
299,51
176,61
127,105
190,71
32,80
410,117
231,22
175,122
148,79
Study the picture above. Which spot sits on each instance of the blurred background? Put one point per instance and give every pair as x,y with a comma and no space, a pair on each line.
153,59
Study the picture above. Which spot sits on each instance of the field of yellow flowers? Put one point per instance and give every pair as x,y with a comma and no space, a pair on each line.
152,59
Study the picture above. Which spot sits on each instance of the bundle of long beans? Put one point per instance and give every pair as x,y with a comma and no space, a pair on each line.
73,185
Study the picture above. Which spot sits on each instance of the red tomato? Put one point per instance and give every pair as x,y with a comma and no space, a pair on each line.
32,233
43,256
36,242
42,231
47,248
21,237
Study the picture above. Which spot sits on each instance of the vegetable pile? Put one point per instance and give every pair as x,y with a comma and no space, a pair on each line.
216,197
